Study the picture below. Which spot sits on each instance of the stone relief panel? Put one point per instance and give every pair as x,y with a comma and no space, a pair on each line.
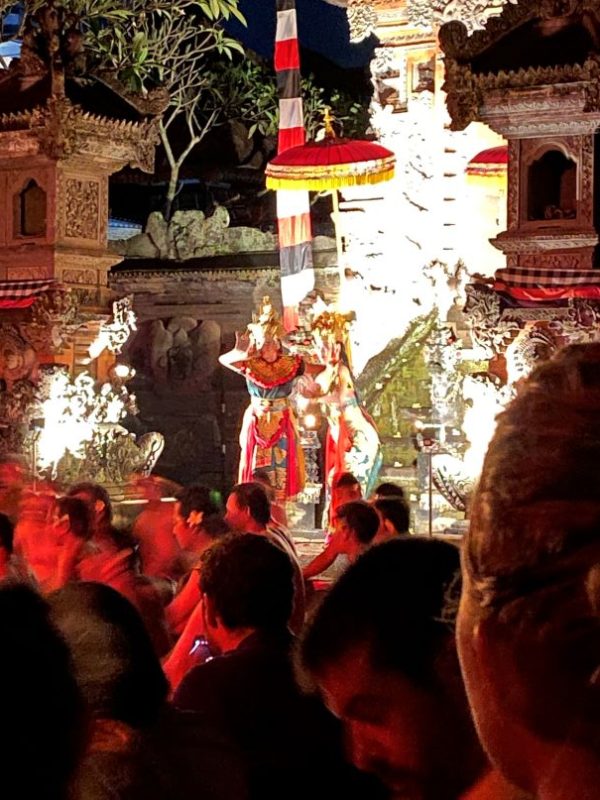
18,359
81,276
553,261
178,385
27,273
193,449
178,355
82,209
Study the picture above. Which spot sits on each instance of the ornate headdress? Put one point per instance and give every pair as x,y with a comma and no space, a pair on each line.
333,325
323,326
267,323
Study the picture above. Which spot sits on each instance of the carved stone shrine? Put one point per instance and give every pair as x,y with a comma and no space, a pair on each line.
532,74
63,132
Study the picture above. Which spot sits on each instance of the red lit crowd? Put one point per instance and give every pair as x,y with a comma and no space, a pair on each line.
191,653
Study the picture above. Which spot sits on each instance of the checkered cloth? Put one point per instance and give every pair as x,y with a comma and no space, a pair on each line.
538,276
20,294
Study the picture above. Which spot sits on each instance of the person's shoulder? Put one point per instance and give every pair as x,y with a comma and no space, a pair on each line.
205,680
281,535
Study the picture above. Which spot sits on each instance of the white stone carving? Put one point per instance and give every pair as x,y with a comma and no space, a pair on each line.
362,19
426,14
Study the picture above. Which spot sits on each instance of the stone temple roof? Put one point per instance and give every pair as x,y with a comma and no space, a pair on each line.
529,46
535,34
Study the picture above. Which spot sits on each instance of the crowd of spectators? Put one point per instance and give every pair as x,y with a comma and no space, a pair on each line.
175,658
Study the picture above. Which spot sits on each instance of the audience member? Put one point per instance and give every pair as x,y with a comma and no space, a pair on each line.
41,724
388,490
33,539
529,621
197,525
153,530
249,511
345,489
381,650
80,557
12,481
394,518
104,533
355,527
247,691
196,522
278,515
139,748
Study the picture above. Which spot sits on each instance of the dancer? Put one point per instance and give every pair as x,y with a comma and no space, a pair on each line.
269,437
353,444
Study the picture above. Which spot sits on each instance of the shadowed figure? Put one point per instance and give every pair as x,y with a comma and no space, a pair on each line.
291,746
41,721
380,650
139,746
529,621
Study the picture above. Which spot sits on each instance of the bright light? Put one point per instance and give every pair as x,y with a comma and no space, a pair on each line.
72,415
122,371
484,403
310,421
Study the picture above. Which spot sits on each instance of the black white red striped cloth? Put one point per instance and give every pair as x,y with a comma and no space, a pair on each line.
22,294
542,277
293,207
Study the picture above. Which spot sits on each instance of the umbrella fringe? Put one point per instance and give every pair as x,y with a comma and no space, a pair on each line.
329,183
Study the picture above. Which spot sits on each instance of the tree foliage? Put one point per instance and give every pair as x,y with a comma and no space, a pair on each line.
183,47
146,44
251,96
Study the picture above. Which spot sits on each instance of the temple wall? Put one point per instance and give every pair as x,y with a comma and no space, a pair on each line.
188,313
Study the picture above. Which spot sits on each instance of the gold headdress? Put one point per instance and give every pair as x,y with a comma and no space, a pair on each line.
333,325
266,324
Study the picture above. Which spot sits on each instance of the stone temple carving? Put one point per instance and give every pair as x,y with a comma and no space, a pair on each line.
63,132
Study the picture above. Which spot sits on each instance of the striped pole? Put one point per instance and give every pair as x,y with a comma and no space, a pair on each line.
293,207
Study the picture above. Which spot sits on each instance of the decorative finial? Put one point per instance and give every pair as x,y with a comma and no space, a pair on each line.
328,122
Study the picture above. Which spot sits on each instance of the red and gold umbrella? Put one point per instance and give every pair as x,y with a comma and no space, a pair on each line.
489,168
329,165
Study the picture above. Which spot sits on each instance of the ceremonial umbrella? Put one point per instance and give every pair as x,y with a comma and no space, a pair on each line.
331,164
489,168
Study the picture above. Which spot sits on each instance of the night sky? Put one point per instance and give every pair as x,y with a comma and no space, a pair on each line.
322,28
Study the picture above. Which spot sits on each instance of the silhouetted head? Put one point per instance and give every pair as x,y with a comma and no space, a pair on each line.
97,499
529,623
249,582
358,520
196,510
248,507
115,665
41,722
380,648
387,489
394,516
